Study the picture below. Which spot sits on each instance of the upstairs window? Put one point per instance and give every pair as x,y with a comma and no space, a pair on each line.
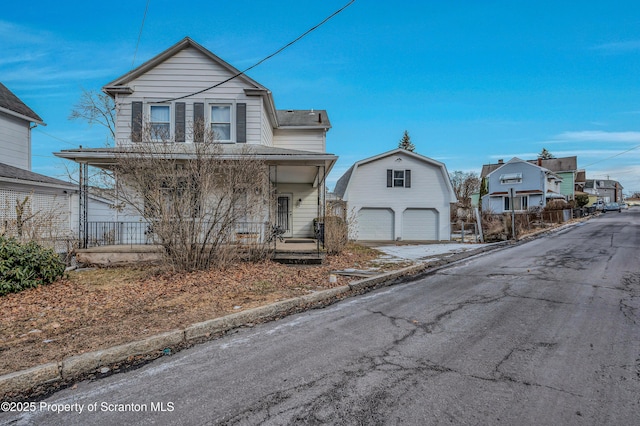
511,178
160,122
221,122
398,178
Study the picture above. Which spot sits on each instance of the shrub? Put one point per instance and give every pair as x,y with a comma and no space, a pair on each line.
582,200
27,265
556,205
335,234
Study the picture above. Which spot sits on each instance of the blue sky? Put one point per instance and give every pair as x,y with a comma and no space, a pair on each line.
472,81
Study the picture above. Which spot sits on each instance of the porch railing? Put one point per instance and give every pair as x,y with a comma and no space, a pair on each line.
141,233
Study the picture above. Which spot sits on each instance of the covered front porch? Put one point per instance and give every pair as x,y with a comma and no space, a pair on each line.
293,207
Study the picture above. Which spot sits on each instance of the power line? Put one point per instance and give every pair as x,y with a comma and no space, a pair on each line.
144,17
613,156
55,137
310,30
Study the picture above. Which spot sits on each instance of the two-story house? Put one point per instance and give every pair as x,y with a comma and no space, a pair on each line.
522,183
32,206
186,88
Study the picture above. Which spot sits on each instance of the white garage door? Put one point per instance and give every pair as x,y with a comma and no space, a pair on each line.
420,224
375,224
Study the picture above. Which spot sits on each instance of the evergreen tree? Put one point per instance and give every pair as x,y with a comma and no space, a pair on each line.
405,142
545,155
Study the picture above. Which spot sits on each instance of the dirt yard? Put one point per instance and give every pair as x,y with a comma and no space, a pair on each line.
98,308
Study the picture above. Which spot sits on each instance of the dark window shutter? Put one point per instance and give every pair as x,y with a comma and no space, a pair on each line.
198,122
241,123
136,121
180,121
389,178
407,178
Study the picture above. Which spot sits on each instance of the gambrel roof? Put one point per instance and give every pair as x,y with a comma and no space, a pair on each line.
343,183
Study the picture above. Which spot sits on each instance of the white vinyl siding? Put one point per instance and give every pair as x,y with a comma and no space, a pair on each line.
304,207
14,141
429,190
187,72
375,224
304,140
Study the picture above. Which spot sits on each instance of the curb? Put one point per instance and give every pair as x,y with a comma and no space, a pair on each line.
41,379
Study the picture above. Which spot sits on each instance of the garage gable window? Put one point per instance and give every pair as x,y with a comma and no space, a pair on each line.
398,178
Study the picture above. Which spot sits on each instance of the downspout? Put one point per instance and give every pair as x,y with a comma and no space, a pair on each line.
31,127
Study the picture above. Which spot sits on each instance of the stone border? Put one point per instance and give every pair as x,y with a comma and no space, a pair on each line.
43,378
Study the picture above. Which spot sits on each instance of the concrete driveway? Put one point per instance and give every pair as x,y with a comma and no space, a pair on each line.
422,252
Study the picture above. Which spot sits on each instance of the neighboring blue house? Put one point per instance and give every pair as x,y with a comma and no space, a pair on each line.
533,186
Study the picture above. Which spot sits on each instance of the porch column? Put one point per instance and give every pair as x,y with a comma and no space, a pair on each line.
83,197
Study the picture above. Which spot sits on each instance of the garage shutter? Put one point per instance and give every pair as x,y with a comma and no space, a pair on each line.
420,224
375,224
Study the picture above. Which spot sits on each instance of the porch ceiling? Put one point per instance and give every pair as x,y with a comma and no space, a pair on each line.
295,174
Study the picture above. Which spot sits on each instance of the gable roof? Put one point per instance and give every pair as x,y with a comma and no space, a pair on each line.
12,105
16,174
120,83
343,183
281,119
515,160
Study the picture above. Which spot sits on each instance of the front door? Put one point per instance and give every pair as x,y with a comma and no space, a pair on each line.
283,213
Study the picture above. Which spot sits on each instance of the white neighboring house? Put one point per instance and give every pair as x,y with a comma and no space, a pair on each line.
46,201
398,195
187,85
51,209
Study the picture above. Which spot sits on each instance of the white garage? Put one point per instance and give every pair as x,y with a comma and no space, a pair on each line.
420,224
398,196
375,224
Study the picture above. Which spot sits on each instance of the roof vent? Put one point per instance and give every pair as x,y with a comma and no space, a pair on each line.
311,112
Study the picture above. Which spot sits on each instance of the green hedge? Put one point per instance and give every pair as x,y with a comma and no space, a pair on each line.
24,266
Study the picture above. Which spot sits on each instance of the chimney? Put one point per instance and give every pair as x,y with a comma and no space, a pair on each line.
539,162
320,117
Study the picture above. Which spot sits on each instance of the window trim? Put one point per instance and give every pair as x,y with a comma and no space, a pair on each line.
232,117
510,178
506,203
152,134
398,181
394,181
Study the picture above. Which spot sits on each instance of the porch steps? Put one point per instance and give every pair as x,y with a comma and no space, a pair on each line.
299,257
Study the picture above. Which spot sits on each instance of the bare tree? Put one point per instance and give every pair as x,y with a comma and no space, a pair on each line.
464,185
194,196
96,108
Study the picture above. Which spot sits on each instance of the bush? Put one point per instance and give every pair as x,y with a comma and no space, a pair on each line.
582,200
335,234
554,205
24,266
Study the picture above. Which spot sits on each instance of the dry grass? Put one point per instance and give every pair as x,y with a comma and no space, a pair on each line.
94,309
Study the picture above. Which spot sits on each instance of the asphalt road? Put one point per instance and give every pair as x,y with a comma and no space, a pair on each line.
545,333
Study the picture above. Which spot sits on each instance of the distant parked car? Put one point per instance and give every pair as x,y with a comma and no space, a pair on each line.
624,206
599,205
611,207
